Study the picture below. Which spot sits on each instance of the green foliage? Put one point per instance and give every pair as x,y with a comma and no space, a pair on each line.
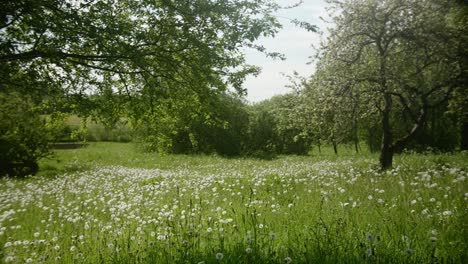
23,136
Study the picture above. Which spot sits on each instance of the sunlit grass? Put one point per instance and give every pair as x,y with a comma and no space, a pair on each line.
112,203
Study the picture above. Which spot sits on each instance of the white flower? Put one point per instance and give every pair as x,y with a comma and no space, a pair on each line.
7,244
447,213
9,259
219,256
209,230
248,250
72,248
57,247
36,234
260,226
29,260
287,260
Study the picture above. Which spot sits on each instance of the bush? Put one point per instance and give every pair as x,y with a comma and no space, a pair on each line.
23,136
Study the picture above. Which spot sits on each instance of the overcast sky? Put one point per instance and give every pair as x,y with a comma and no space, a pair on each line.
294,42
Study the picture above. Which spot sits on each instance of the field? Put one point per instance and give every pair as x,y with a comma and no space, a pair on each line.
111,203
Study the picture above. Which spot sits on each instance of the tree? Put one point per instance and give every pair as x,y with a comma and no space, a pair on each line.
401,55
168,54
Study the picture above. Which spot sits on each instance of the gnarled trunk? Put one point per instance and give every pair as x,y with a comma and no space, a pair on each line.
386,150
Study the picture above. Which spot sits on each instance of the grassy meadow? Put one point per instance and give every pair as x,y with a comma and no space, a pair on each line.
112,203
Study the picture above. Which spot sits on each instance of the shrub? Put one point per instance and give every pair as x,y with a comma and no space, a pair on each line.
23,136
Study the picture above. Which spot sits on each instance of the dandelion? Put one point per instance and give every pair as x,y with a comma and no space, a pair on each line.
447,213
72,248
209,230
36,234
7,244
29,260
287,260
248,250
260,226
9,259
219,256
57,247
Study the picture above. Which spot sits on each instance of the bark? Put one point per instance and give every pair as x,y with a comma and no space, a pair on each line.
386,150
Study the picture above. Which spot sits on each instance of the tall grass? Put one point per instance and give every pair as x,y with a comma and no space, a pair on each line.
111,203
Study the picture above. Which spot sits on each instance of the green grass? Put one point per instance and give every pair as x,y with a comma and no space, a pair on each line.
112,203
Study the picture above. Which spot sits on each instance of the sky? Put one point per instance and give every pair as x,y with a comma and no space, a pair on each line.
294,42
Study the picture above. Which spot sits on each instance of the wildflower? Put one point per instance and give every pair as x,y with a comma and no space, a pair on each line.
110,245
447,213
433,239
72,248
287,260
9,259
260,226
36,234
57,247
272,236
370,237
7,244
219,256
209,230
29,260
248,250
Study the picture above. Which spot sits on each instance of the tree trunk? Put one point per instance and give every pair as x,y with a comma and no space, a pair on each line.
464,135
386,151
356,136
335,145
